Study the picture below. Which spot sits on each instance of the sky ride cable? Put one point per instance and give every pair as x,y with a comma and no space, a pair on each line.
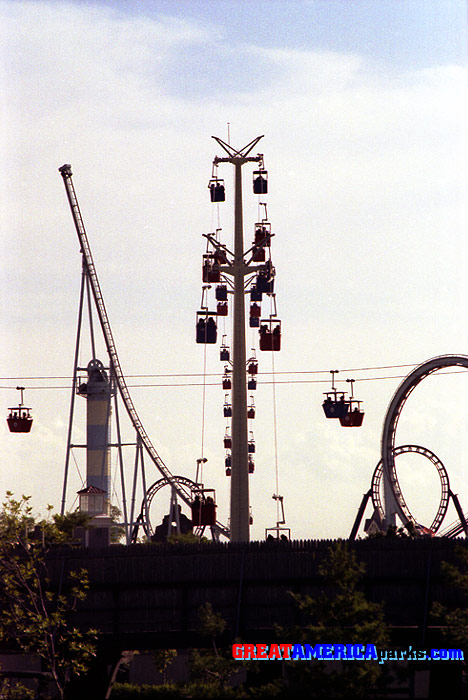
192,374
201,461
202,453
275,425
216,374
275,436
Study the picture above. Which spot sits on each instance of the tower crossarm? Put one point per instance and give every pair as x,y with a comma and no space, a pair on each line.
182,491
238,155
216,244
245,269
238,159
256,246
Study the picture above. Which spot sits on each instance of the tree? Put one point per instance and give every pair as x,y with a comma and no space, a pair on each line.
9,690
65,525
211,669
34,617
393,532
455,621
117,531
186,538
162,660
339,614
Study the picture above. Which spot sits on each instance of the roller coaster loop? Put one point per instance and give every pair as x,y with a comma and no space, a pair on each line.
390,427
444,484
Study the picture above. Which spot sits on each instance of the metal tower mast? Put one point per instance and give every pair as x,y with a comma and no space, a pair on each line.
240,504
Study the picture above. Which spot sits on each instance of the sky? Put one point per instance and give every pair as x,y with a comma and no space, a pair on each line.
363,107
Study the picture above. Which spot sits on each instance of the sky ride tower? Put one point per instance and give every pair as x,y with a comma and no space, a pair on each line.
239,274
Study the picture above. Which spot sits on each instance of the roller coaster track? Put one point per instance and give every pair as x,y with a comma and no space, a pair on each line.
391,422
454,529
444,484
181,489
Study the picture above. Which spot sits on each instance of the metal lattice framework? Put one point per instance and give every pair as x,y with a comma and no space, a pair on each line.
444,484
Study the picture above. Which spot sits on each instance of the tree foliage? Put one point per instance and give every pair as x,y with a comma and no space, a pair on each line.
34,617
340,613
11,690
394,532
211,668
455,620
66,524
186,538
162,660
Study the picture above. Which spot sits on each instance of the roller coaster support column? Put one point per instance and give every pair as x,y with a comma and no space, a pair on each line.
460,514
361,510
391,507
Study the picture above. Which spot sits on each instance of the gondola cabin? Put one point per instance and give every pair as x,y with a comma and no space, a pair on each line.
265,283
255,310
252,384
252,367
227,442
254,322
206,329
210,270
335,405
228,471
222,308
220,256
354,417
217,191
19,419
227,384
263,234
251,465
255,294
260,182
270,334
224,353
203,508
258,254
221,292
251,412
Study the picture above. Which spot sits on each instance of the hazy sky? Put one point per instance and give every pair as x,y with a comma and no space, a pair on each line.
364,110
